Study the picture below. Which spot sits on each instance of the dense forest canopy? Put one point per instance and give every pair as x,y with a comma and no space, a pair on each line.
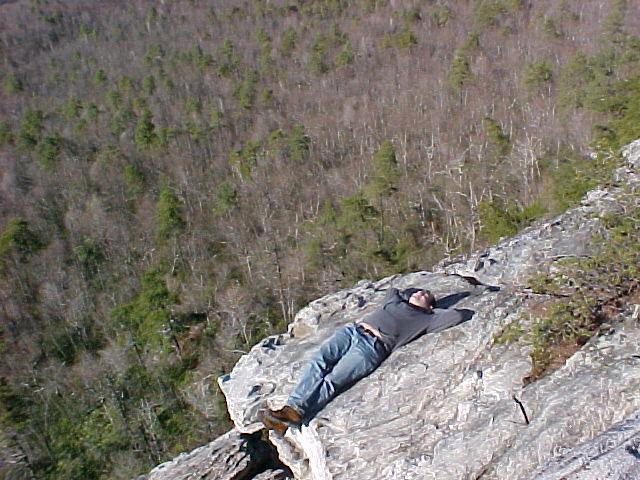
179,177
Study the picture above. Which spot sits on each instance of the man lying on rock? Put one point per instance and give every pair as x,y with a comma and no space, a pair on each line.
357,349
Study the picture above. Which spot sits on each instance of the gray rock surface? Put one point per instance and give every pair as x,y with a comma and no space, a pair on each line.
443,406
612,454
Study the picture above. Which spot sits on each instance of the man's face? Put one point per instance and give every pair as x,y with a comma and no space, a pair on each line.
420,299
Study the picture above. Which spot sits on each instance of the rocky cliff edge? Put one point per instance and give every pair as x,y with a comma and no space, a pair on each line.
454,405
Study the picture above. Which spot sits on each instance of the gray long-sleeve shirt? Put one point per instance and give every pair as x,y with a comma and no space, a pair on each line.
399,322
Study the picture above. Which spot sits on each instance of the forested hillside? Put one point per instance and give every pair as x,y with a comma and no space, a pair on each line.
177,178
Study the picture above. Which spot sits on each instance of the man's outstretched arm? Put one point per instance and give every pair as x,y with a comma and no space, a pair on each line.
442,319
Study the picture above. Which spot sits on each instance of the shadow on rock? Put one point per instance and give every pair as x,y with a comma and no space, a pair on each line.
450,300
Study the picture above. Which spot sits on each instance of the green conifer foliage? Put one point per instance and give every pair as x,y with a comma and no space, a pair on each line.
626,123
6,135
153,56
48,151
537,74
134,180
412,15
72,108
327,215
216,119
168,214
200,59
313,255
12,85
18,237
266,96
550,27
148,314
149,85
440,15
288,41
345,56
402,39
459,71
262,37
195,131
226,198
100,77
244,159
318,62
577,76
31,128
165,135
15,406
498,139
496,220
126,85
145,136
92,111
385,176
298,144
193,105
614,23
89,254
486,12
246,91
356,212
229,60
114,99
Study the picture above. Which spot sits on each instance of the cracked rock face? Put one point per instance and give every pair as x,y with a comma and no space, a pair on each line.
231,456
453,405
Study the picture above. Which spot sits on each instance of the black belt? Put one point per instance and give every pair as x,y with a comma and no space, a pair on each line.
366,331
379,344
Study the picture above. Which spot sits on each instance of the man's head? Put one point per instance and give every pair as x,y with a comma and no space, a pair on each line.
423,299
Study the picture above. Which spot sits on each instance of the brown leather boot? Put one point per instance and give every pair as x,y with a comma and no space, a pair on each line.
272,423
287,414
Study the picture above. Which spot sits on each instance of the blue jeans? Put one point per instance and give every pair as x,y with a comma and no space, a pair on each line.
346,357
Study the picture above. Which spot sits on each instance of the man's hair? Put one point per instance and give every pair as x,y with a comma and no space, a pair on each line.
431,298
